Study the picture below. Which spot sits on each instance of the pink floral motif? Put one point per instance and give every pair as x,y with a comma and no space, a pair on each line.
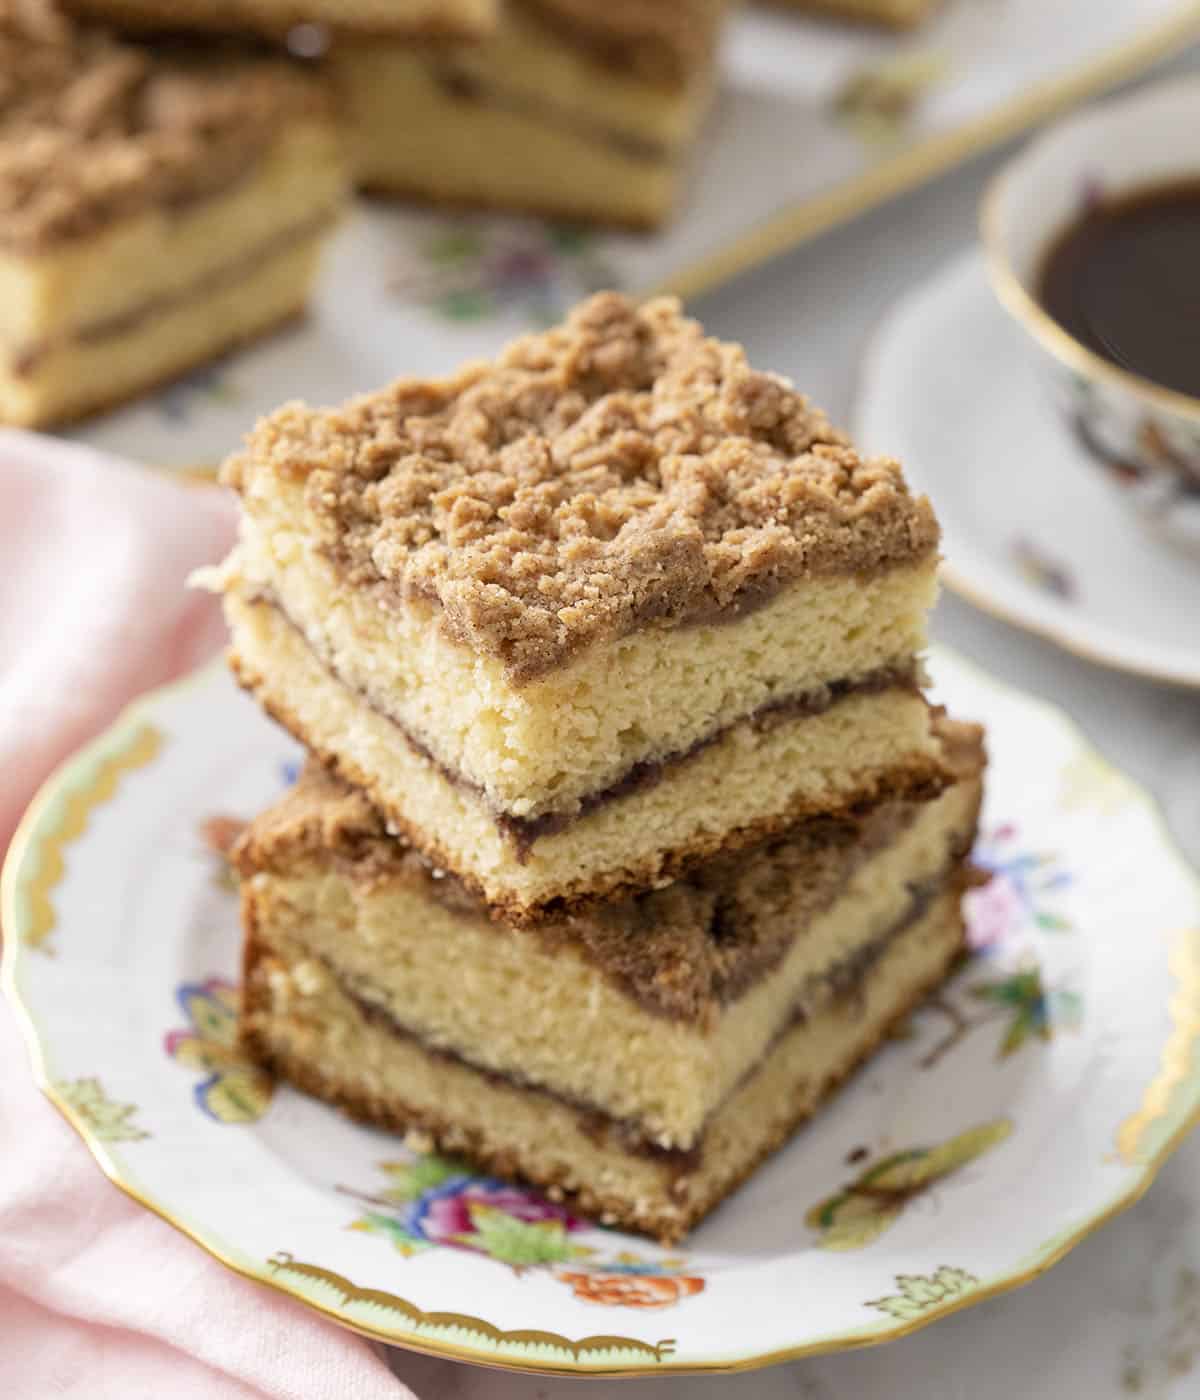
993,911
433,1202
1022,891
451,1218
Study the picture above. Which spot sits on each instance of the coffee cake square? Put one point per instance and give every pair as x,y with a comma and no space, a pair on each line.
157,207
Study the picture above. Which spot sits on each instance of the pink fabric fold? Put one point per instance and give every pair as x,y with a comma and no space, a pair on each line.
98,1297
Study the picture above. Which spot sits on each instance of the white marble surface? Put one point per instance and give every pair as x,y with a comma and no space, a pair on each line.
1121,1315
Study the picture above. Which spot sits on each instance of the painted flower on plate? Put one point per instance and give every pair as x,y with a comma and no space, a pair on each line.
862,1210
235,1089
1041,569
472,270
878,103
993,911
436,1201
433,1201
1032,1008
632,1290
1024,887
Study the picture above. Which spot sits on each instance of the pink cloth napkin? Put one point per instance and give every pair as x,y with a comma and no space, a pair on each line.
99,1298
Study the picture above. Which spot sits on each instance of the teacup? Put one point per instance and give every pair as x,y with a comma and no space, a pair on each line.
1144,436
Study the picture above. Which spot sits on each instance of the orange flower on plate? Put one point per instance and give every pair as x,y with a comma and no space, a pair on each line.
633,1290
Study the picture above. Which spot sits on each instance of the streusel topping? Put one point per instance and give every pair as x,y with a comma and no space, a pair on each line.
93,128
619,471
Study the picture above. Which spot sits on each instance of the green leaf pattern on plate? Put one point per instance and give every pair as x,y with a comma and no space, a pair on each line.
861,1212
921,1292
103,1117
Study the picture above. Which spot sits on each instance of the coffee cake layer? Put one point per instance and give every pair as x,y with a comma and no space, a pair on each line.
302,1024
756,777
649,1010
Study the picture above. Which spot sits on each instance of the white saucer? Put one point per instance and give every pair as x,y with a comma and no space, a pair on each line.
1033,533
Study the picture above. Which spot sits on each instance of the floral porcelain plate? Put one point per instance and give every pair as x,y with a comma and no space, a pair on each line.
1020,1109
816,122
1032,531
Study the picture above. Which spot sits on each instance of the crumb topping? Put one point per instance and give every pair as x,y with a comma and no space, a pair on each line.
661,41
93,128
684,951
619,471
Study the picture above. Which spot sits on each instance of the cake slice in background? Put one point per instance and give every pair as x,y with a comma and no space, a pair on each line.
460,19
643,1058
583,617
576,109
157,207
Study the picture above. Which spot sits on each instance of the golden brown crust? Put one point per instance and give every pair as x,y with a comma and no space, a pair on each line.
94,129
682,1209
617,472
684,951
916,779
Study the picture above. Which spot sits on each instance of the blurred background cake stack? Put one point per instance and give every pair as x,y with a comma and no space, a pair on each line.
169,173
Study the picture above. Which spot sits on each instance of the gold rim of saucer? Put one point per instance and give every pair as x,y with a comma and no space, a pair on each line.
1045,329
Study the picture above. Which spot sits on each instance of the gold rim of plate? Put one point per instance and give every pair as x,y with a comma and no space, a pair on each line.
86,781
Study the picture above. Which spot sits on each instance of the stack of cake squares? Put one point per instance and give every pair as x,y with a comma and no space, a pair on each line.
627,831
